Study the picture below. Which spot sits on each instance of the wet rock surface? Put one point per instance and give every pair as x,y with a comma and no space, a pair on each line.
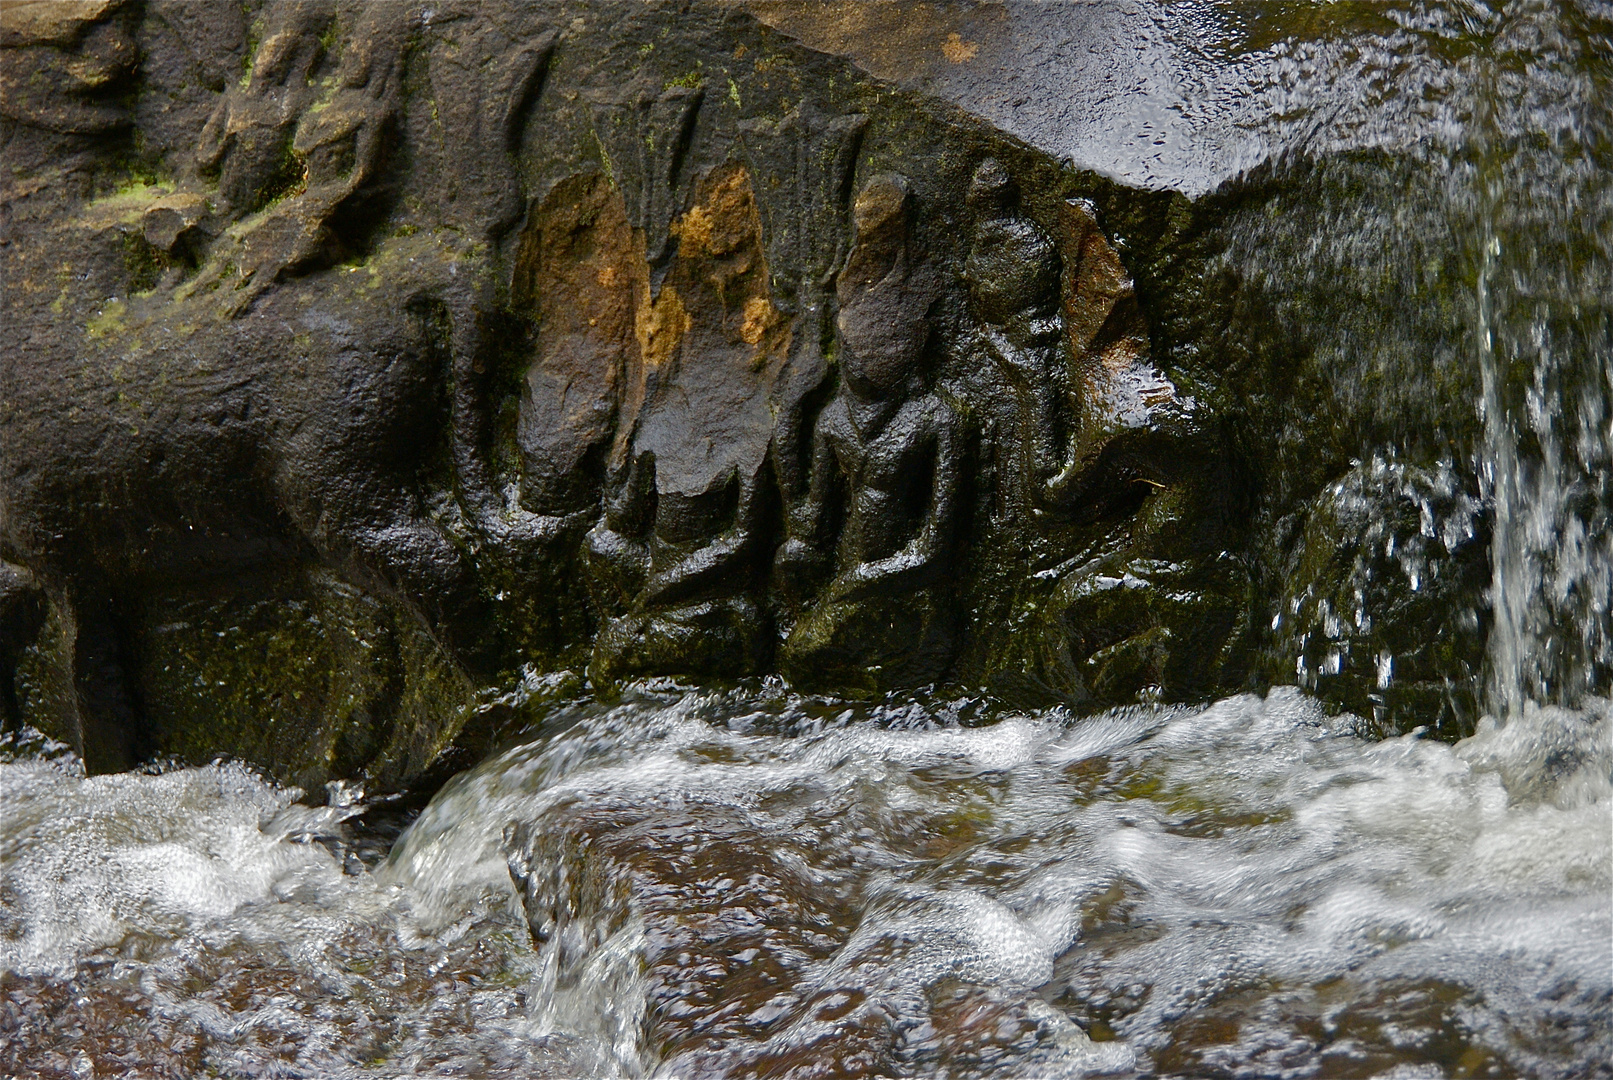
369,365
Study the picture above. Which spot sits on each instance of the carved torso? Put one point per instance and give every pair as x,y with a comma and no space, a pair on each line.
886,458
1013,272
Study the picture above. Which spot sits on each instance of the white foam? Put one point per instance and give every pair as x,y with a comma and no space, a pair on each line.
87,861
1254,841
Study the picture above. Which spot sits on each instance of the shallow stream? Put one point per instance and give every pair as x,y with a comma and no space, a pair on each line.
752,883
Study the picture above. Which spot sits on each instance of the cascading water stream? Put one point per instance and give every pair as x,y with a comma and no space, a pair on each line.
752,883
1544,340
1545,470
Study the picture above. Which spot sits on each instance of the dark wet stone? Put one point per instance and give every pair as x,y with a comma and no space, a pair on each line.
838,340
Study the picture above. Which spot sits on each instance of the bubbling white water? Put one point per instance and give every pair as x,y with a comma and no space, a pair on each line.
1240,889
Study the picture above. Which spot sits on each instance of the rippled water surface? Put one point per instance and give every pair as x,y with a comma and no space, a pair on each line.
698,883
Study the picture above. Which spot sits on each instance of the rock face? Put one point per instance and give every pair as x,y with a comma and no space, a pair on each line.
364,361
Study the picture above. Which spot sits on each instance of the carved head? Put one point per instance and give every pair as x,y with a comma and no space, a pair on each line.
1012,268
882,313
992,189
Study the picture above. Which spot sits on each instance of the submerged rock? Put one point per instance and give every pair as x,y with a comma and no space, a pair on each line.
366,361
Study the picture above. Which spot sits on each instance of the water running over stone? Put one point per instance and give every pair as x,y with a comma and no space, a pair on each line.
1545,354
758,884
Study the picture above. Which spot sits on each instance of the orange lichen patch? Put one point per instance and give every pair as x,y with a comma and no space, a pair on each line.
660,326
578,261
724,221
957,50
1097,288
693,229
760,315
1105,331
712,343
699,349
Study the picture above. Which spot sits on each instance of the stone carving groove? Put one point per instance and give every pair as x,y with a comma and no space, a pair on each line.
644,132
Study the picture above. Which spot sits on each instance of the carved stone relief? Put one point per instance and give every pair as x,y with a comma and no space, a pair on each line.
302,149
1137,615
680,544
670,387
1012,271
880,512
1134,426
671,401
808,158
68,67
645,362
644,131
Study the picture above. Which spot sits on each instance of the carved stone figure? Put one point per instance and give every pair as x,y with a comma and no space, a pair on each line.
1095,416
1135,431
1148,612
1012,271
882,497
808,158
678,554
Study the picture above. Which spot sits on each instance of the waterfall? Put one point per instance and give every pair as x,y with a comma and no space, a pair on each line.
1545,351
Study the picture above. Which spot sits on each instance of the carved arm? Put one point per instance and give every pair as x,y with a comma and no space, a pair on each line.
707,566
804,556
922,560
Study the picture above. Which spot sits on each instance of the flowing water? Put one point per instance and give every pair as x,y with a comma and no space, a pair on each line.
1543,195
697,883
